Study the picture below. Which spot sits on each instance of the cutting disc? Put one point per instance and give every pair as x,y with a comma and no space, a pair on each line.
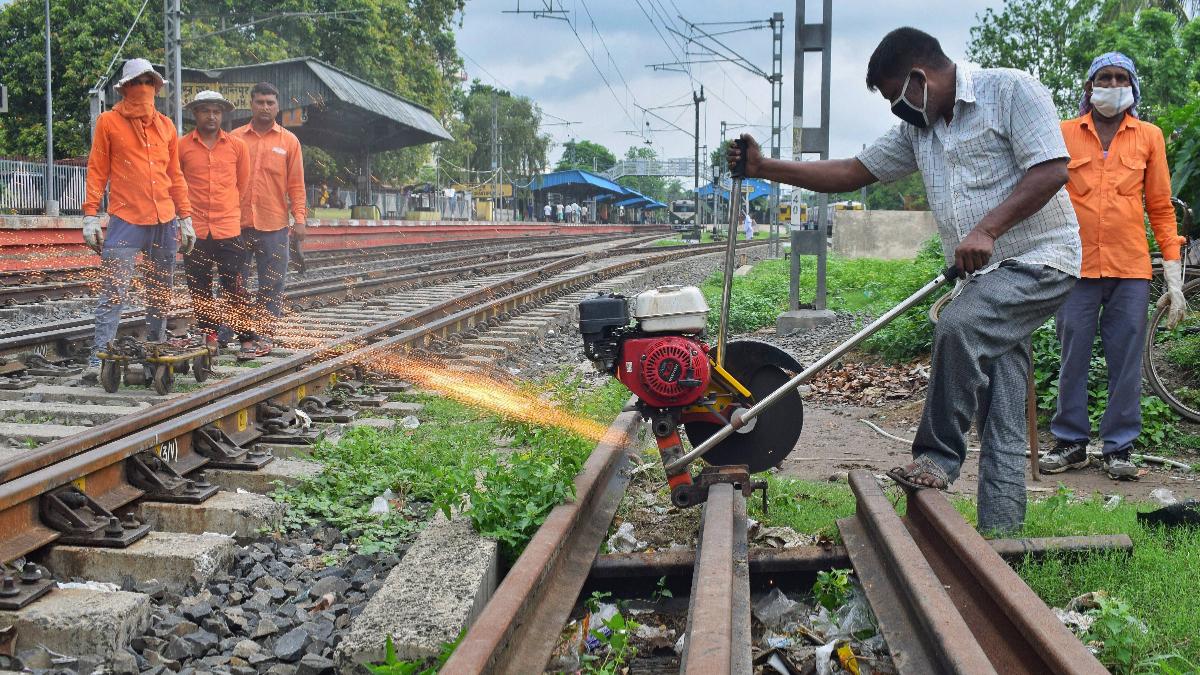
760,367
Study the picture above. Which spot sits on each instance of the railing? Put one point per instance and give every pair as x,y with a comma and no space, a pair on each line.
22,187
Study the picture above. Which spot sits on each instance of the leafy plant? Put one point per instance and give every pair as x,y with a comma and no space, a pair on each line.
1118,630
394,666
614,650
832,588
661,591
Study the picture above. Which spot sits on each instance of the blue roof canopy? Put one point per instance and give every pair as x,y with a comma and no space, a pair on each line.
577,178
762,188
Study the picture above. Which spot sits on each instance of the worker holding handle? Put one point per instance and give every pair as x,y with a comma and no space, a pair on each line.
1116,159
988,146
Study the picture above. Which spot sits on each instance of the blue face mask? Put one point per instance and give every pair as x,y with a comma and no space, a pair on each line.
905,110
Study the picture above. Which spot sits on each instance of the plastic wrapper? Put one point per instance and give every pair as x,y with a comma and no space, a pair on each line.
624,541
775,610
410,422
1163,496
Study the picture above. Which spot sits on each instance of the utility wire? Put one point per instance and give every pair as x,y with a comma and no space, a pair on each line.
121,46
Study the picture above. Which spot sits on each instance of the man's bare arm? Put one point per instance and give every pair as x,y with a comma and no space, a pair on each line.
1039,185
832,175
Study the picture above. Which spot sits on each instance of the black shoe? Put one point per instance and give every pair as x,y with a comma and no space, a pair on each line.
1064,457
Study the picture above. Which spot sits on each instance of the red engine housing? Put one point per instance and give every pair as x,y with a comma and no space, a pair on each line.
665,371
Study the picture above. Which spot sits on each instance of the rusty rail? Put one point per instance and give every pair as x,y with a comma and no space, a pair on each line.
946,602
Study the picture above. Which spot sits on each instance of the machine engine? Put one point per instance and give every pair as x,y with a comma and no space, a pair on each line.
660,358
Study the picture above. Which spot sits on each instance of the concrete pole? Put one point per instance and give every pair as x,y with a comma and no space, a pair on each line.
48,193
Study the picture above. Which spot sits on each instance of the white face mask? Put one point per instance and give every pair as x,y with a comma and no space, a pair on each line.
1112,101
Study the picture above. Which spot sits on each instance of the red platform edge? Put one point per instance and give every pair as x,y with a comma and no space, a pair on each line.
42,242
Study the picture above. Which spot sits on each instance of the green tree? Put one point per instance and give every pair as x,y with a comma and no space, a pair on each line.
518,120
406,46
585,155
654,187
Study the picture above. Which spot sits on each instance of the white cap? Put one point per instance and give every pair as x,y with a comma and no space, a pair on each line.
209,96
135,68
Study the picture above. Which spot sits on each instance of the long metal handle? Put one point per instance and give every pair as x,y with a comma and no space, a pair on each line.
771,399
735,211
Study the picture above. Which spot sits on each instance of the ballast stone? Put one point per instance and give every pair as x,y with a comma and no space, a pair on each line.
440,586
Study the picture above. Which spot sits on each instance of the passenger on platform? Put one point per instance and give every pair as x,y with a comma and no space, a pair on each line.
988,144
585,213
748,227
1115,160
135,155
276,190
546,211
559,212
217,168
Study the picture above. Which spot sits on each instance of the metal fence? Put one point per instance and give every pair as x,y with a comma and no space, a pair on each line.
22,187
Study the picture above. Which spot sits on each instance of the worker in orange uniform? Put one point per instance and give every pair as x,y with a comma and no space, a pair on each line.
135,155
1116,160
276,190
217,168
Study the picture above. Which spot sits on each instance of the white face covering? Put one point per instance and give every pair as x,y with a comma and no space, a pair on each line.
1112,101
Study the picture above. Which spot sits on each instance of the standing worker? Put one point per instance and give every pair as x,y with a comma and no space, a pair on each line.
1115,160
989,148
276,188
217,168
135,155
546,212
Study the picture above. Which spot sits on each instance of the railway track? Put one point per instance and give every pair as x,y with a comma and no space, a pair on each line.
81,488
945,600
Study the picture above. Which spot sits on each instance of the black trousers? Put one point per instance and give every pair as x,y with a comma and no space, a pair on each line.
232,307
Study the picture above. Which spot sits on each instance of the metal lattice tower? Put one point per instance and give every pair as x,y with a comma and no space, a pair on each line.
776,120
174,62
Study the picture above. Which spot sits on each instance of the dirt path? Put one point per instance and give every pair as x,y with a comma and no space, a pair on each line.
834,440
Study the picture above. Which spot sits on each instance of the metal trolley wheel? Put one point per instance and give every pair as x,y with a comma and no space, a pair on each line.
164,379
201,367
1171,358
110,376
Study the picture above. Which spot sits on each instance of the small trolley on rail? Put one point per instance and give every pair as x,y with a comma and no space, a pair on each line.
160,362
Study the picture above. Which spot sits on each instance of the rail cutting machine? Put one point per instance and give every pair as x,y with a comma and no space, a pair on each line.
736,401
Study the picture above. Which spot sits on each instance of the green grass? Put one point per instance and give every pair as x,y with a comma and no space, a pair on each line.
452,462
1159,581
863,285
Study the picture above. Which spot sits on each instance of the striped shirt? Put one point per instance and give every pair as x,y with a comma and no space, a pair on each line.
1004,124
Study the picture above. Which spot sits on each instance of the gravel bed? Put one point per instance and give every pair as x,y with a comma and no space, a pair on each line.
281,609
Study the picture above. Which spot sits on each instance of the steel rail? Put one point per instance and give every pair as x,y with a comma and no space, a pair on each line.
17,494
945,601
517,629
718,623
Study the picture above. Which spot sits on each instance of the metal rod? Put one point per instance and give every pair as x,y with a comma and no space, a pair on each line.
754,411
735,210
50,203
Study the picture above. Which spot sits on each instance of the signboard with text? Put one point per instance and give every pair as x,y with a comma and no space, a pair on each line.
236,93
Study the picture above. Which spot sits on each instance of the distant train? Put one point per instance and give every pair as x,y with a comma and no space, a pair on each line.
683,213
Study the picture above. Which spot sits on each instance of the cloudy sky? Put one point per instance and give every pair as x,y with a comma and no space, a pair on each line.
552,64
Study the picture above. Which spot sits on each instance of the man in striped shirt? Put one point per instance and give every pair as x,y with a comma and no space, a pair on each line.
988,147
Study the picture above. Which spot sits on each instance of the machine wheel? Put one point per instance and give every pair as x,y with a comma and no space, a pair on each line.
181,367
164,378
201,367
110,376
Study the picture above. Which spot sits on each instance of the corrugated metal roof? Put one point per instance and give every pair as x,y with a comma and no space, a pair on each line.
379,101
577,177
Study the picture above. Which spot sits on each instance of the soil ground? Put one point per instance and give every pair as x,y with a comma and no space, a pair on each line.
834,440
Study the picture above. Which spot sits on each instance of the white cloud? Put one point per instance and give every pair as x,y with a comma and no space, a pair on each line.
541,58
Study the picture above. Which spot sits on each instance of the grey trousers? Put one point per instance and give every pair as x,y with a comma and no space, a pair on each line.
1119,307
981,364
122,243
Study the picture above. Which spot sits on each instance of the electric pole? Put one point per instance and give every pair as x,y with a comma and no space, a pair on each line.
776,120
697,99
49,196
174,64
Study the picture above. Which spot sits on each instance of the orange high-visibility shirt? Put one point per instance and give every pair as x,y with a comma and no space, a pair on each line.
276,178
216,179
1107,193
140,166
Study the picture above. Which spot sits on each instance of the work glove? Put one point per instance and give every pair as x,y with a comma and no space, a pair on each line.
93,233
187,236
1173,275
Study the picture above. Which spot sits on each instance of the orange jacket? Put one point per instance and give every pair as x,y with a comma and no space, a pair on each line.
216,179
276,177
140,166
1107,194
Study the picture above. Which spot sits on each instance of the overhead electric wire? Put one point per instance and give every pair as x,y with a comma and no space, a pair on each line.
121,47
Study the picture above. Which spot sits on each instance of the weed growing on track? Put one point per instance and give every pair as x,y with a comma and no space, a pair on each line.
451,462
1158,584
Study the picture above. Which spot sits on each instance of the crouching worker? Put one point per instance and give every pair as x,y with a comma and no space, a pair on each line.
217,168
135,156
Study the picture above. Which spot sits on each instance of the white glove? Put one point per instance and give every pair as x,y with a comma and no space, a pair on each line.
187,235
1173,275
93,233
